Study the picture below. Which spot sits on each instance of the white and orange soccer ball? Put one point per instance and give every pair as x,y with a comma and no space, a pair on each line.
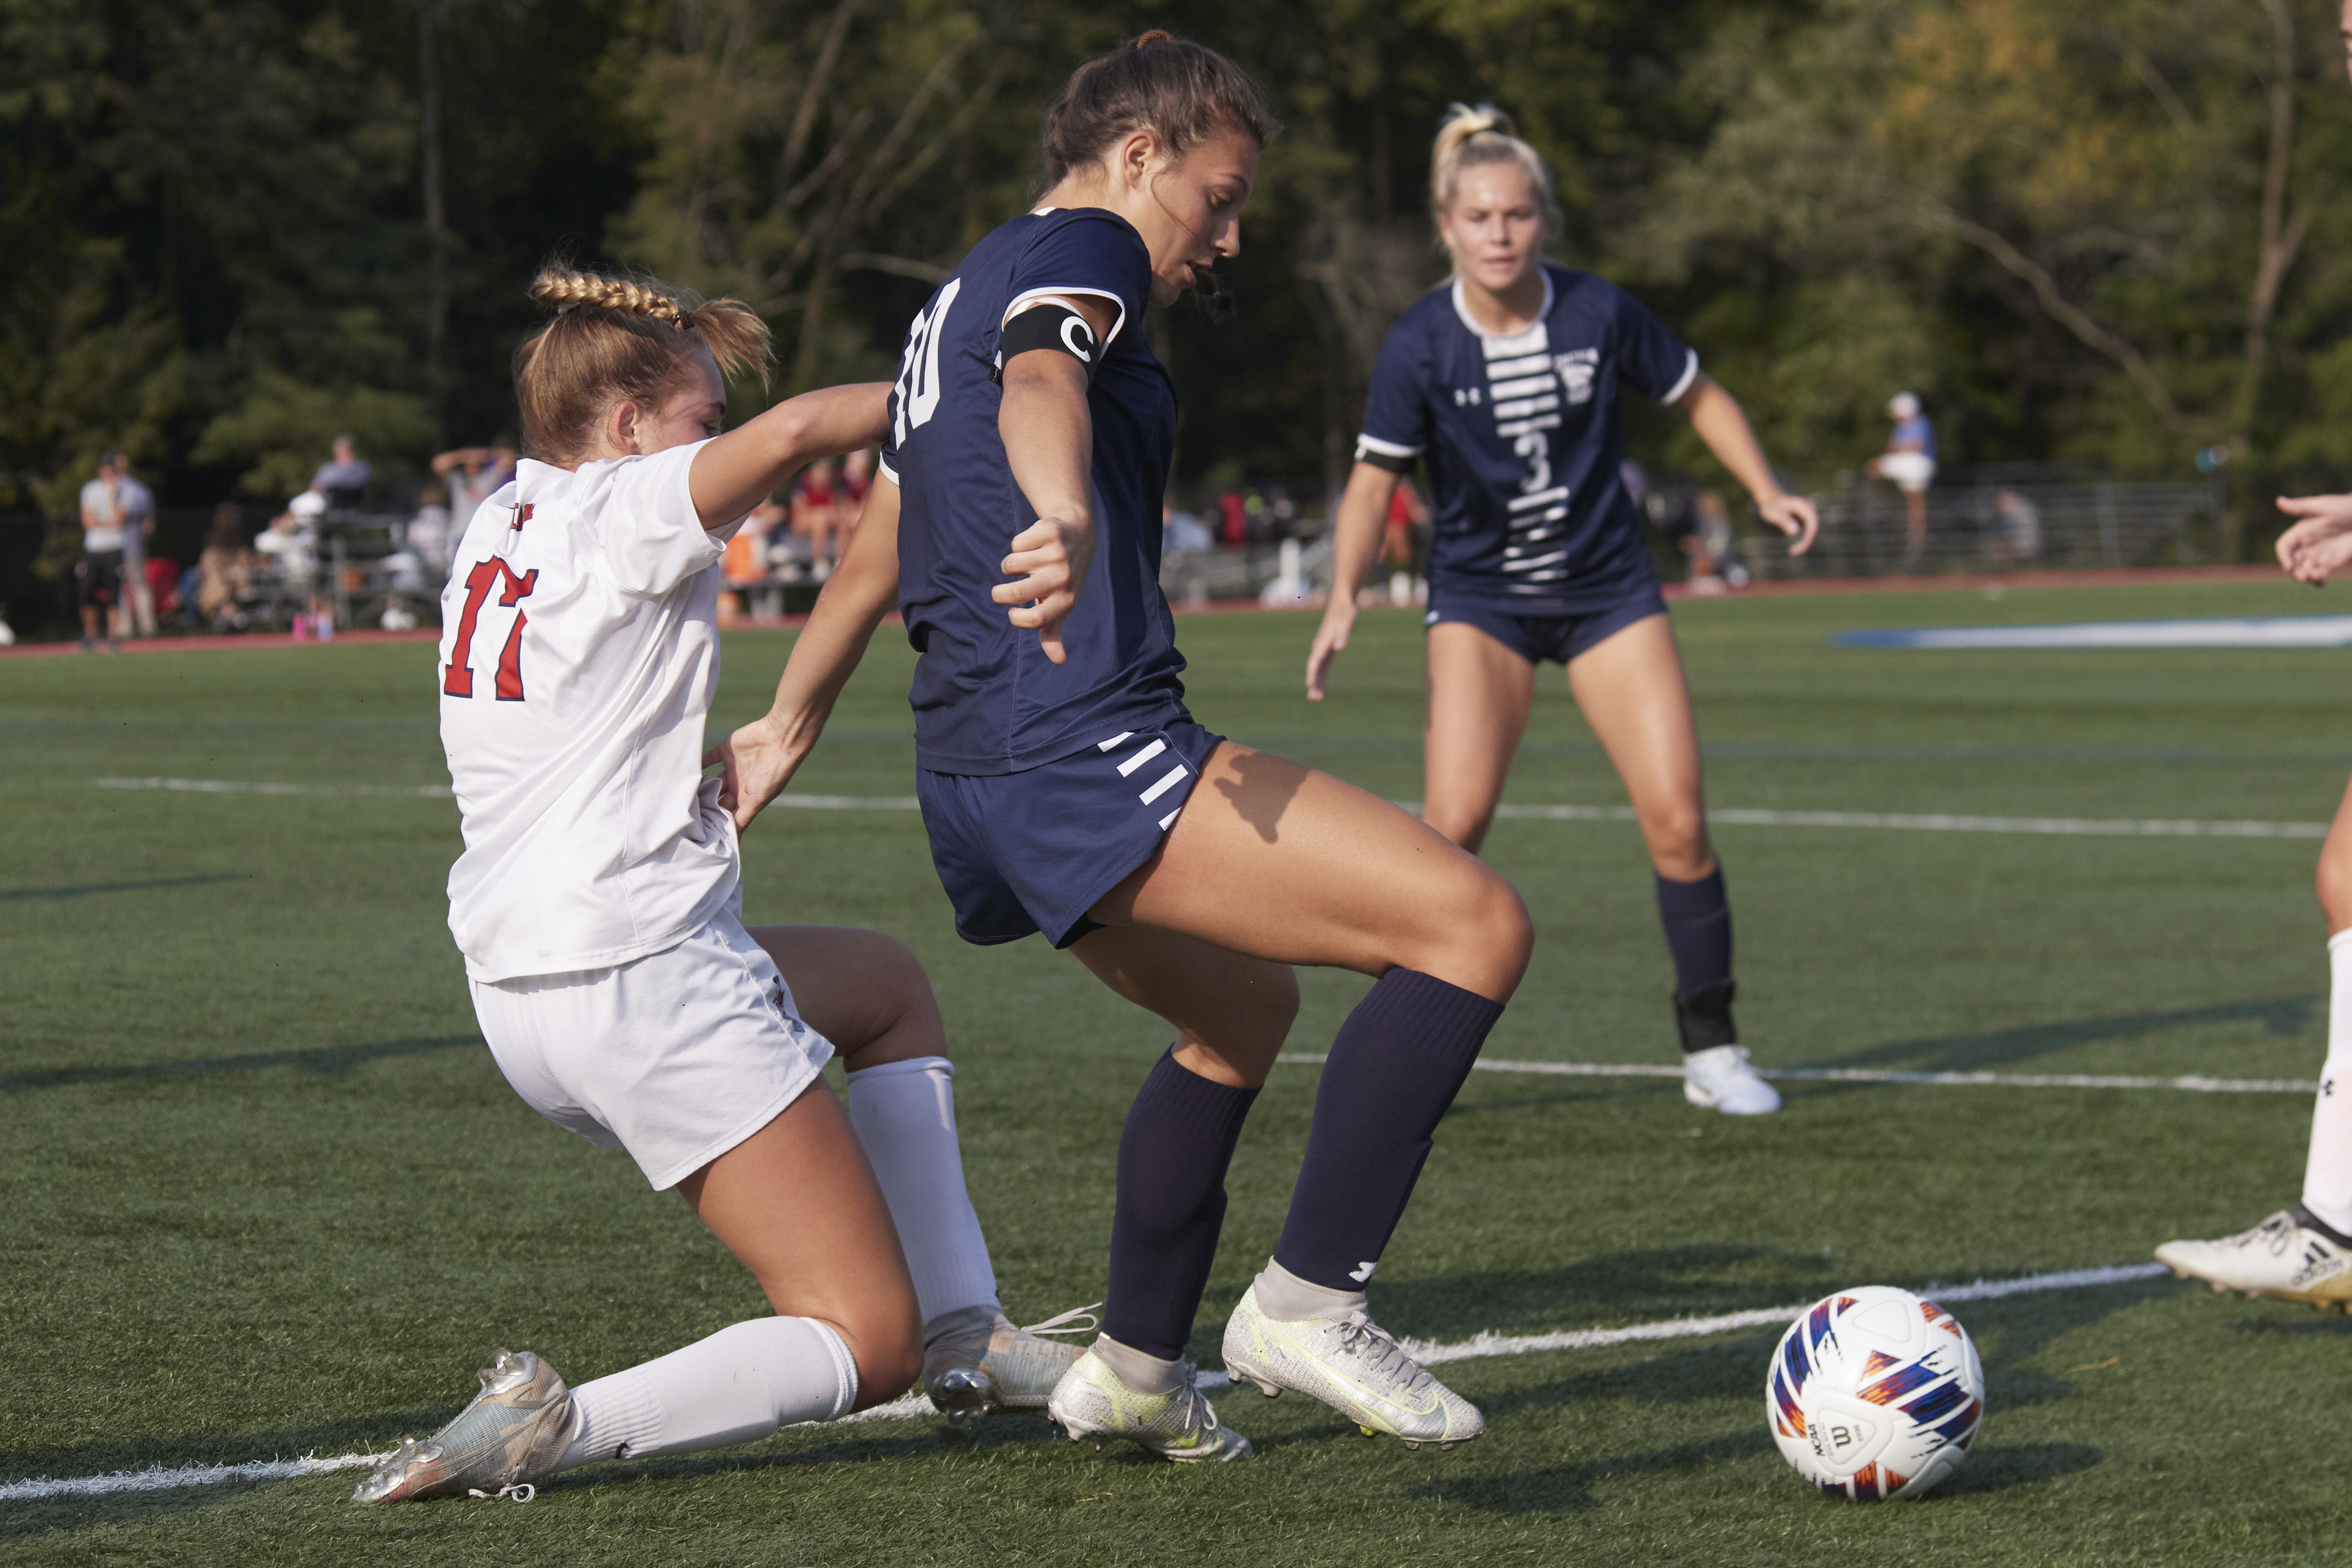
1874,1394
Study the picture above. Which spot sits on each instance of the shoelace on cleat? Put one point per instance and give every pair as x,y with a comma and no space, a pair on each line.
1067,1322
514,1491
1356,1333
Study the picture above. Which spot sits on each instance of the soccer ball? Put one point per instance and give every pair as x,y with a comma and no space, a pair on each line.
1874,1394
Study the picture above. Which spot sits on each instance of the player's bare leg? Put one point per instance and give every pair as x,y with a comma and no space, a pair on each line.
2304,1253
867,993
1477,699
1634,694
1336,877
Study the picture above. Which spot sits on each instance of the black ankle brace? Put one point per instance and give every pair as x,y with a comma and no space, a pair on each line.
1705,1017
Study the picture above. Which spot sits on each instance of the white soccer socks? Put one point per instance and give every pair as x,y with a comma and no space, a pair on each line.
737,1386
2328,1169
904,1113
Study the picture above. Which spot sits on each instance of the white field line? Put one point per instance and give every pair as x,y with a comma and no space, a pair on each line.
2095,827
914,1405
2192,1082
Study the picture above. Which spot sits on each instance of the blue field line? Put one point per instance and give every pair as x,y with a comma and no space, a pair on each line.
916,1407
2193,1083
2207,632
1733,816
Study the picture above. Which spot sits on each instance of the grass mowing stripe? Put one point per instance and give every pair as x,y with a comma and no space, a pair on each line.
915,1405
2099,827
2191,1082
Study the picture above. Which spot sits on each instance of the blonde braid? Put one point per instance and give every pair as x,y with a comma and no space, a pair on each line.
563,287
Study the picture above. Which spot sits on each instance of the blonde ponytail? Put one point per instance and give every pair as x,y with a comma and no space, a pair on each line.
617,340
1467,137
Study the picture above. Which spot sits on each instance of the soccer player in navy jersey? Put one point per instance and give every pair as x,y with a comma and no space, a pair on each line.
1015,521
1505,383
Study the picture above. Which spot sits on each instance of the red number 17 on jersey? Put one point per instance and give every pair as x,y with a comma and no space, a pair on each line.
458,680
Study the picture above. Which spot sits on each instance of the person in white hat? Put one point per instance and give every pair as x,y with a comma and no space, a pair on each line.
1909,465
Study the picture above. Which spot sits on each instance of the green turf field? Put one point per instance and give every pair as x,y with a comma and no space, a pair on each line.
265,1196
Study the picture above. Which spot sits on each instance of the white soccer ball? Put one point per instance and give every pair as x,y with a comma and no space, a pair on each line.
1874,1394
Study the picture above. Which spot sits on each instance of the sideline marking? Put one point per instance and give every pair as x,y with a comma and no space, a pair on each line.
2098,826
2195,1083
914,1405
2215,631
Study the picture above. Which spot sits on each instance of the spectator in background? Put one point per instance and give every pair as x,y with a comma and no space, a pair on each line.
473,474
1233,527
1909,465
431,531
292,543
223,571
138,507
813,514
2020,525
1709,544
343,478
1408,514
98,576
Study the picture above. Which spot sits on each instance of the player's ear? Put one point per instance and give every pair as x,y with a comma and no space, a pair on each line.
621,427
1140,154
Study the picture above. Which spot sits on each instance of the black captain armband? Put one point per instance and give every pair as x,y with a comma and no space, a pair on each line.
1047,326
1385,456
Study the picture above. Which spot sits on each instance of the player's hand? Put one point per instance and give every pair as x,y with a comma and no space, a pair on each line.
2322,543
755,763
1795,516
1330,640
1048,562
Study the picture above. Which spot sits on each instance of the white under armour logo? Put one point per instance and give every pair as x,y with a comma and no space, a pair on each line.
1362,1274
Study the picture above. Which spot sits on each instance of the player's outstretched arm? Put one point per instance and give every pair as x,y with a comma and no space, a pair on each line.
1048,436
2321,543
735,472
1722,424
1355,539
757,760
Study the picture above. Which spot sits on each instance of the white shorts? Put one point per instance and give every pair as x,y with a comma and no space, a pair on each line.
1907,470
676,1057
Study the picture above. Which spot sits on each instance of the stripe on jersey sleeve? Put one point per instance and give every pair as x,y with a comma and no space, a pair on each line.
1690,373
1029,297
1390,455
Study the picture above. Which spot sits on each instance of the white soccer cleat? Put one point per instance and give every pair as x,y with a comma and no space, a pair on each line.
2280,1257
1719,1078
515,1432
1017,1371
1351,1364
1181,1424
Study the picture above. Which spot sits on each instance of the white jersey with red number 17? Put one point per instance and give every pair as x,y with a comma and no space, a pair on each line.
579,653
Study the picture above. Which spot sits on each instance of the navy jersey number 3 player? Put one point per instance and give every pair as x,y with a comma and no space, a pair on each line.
1506,381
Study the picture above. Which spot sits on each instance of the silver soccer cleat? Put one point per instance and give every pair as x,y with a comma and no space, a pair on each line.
514,1433
1091,1401
2280,1257
1352,1364
1017,1370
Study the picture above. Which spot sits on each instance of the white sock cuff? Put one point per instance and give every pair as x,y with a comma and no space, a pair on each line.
2335,944
845,1368
899,1069
623,1411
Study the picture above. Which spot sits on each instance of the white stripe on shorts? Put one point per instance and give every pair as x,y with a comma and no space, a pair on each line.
1166,783
1115,740
1142,757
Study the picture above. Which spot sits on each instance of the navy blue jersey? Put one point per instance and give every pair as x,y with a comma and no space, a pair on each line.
1524,442
986,699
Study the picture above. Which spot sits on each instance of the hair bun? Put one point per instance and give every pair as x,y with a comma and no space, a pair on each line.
1156,36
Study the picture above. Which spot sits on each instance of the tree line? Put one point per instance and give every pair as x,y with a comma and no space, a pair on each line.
2110,232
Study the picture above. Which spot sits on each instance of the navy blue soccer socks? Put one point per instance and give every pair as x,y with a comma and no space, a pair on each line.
1173,1155
1697,921
1397,1064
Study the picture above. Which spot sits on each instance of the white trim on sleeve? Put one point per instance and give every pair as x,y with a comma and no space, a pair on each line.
1369,443
1029,297
882,466
1690,373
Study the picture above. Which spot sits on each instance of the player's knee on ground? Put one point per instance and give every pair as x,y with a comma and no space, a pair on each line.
888,1351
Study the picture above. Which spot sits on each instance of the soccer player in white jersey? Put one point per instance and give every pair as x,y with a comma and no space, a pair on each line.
597,905
2304,1253
1506,381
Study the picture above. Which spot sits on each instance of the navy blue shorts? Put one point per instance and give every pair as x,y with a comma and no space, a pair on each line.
1032,851
1555,637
